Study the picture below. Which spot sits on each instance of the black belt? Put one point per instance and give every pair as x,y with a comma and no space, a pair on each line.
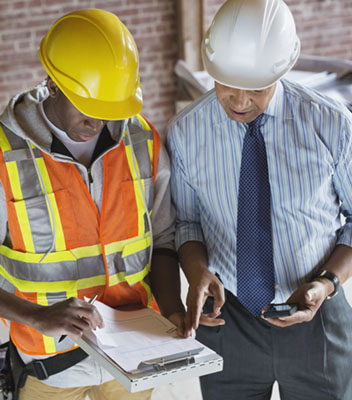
42,369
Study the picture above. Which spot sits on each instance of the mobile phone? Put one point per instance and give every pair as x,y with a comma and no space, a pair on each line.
280,310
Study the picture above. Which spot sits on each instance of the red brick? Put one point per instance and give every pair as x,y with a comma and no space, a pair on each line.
141,20
6,48
4,7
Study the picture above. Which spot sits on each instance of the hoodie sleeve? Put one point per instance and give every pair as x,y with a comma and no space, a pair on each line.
163,215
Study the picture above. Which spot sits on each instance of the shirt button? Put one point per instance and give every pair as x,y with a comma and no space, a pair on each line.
277,286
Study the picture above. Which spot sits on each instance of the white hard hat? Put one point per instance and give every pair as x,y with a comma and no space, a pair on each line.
250,44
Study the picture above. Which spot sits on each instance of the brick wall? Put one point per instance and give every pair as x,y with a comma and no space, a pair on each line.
324,26
152,23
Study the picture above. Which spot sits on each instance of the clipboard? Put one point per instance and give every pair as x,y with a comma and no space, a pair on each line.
160,364
155,372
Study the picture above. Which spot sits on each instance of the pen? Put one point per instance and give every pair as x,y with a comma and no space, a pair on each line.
90,301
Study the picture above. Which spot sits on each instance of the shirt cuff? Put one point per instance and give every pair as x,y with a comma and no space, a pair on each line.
189,233
345,235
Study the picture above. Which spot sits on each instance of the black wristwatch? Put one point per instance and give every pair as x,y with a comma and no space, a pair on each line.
332,277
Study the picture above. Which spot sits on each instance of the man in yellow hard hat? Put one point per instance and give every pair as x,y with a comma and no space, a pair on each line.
84,206
261,173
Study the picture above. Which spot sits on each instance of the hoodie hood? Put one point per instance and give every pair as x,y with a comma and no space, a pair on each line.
22,117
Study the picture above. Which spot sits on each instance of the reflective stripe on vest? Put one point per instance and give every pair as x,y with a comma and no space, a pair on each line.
104,253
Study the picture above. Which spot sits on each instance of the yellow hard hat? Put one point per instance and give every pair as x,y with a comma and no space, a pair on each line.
93,59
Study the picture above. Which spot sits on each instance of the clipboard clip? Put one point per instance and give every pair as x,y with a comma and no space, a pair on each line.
174,360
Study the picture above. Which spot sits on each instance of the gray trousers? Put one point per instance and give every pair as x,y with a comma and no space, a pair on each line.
310,361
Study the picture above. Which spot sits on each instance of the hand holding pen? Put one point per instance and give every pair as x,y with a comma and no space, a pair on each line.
87,317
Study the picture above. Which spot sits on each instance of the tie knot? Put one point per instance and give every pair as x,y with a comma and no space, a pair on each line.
254,125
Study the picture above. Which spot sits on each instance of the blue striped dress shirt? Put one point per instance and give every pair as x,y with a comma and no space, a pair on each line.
309,147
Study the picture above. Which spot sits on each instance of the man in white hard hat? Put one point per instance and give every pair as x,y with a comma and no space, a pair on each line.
261,173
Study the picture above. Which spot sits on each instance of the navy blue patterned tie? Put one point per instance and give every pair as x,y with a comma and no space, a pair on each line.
255,269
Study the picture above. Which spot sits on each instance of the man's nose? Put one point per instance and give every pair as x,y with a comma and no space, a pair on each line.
240,99
95,125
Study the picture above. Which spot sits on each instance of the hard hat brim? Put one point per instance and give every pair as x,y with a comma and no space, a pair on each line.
107,110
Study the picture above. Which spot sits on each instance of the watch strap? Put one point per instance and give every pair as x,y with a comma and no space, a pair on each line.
332,278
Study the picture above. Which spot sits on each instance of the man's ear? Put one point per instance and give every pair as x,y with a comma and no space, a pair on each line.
52,87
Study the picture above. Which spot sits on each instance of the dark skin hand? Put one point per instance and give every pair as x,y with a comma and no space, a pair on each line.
311,295
206,285
202,284
165,276
69,317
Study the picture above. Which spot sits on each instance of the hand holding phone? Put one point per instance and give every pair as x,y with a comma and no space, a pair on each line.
280,310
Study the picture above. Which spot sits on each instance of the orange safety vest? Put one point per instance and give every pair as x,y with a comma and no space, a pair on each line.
104,253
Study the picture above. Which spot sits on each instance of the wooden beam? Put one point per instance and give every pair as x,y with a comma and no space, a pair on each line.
190,31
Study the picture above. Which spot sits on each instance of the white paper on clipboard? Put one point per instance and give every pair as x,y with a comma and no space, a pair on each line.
142,350
132,338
